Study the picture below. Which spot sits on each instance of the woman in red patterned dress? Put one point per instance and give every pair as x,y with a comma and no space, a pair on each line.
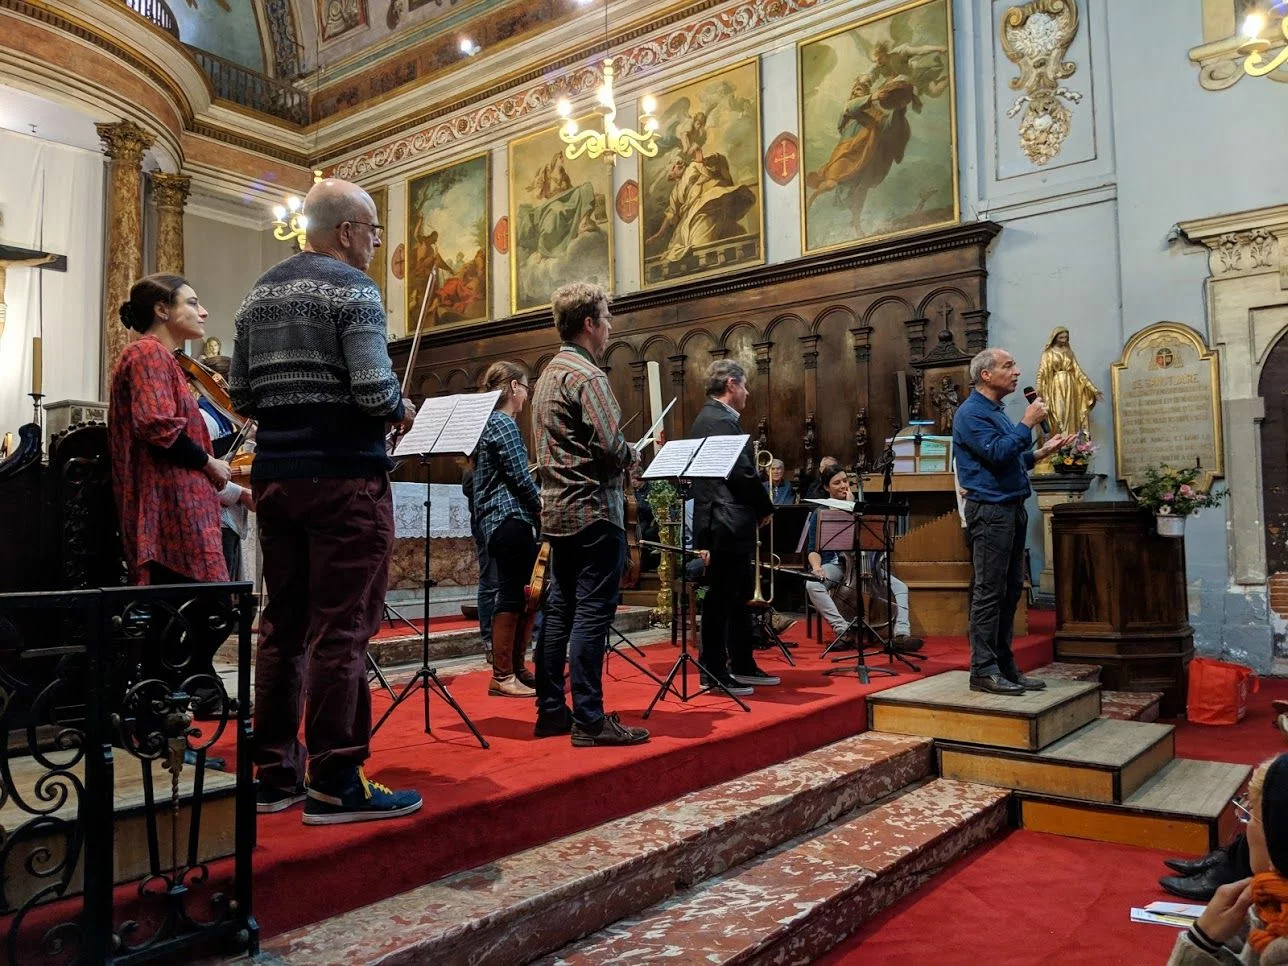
164,476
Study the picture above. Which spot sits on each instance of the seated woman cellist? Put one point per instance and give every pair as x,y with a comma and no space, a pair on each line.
827,564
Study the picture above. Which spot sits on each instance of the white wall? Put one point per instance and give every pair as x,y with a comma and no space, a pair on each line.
222,261
51,196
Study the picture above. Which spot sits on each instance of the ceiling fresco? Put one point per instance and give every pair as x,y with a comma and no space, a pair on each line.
226,28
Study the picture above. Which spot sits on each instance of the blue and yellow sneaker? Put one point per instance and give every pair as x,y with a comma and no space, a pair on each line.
351,797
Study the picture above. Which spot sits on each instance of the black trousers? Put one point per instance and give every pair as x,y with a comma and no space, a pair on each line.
726,621
513,549
995,535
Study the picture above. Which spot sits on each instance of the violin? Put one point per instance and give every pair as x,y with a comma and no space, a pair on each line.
536,591
631,572
212,387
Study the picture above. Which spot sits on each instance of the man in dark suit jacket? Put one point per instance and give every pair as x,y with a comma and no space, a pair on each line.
726,514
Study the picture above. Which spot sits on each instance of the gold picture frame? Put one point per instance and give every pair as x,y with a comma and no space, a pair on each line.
915,75
463,292
570,222
379,267
720,156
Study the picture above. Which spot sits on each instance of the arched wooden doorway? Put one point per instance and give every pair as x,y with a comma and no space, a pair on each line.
1273,389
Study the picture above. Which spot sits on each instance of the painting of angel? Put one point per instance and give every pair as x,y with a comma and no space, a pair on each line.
878,128
558,220
701,196
447,244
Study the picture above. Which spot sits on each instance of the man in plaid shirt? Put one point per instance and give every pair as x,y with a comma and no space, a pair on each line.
582,459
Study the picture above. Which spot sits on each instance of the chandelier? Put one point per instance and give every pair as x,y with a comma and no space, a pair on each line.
289,220
1256,45
613,141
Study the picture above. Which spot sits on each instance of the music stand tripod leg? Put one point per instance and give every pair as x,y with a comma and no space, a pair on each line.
766,623
426,676
374,671
612,647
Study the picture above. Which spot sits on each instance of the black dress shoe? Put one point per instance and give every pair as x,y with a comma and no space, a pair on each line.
550,725
1189,867
995,684
1028,683
1201,887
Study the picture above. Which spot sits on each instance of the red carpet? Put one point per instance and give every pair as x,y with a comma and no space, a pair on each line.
447,623
1250,742
1026,899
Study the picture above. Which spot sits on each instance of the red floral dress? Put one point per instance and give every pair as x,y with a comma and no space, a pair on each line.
168,513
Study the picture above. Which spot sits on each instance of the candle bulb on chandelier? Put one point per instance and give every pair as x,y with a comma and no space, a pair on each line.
37,366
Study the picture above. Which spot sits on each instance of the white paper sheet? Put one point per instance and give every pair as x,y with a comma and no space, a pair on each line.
428,426
716,457
465,426
672,459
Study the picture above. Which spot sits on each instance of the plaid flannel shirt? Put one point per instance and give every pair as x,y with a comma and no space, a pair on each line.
503,487
581,454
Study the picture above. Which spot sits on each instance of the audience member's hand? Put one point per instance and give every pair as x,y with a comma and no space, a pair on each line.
1227,911
247,499
218,472
705,557
1036,412
820,573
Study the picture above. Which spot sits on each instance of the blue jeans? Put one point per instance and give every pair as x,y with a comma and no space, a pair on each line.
995,534
585,578
488,583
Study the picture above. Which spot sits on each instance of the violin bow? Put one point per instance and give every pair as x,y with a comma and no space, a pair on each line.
430,285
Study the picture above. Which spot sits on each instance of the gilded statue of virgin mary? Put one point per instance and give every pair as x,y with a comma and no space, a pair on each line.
1068,393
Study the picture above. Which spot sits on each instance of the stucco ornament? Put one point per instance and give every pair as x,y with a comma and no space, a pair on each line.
1036,37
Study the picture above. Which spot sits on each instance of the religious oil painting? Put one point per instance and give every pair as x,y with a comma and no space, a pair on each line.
447,245
338,17
701,196
558,219
878,129
379,267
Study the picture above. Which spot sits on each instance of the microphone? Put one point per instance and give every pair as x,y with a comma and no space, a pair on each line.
1031,395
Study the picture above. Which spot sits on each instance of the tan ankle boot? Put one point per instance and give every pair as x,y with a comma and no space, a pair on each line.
522,635
504,683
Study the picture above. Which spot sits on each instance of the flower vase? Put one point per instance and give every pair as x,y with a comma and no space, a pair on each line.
1079,469
1170,524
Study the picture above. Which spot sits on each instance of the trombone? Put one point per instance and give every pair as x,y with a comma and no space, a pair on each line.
764,459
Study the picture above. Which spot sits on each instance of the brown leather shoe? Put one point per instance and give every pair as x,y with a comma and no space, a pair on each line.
504,683
907,645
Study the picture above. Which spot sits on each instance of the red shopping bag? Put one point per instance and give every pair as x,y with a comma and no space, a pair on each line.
1218,692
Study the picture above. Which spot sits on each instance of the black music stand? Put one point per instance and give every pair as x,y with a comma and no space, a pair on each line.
676,461
444,425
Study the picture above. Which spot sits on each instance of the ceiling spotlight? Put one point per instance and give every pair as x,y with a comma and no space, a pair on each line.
468,47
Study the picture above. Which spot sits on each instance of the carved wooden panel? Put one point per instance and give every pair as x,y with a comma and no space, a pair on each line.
824,334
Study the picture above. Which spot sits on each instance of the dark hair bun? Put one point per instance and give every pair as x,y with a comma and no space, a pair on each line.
127,316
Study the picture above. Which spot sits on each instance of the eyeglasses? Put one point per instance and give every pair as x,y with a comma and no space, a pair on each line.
1241,810
376,230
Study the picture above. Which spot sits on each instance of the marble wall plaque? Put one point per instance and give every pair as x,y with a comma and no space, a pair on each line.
1167,403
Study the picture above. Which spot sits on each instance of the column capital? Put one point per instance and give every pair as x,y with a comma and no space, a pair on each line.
124,141
171,190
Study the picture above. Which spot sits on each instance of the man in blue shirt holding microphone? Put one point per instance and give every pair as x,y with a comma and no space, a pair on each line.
994,457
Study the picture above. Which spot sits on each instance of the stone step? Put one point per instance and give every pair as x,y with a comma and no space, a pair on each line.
1184,808
1061,671
795,903
944,707
1130,705
1104,761
522,906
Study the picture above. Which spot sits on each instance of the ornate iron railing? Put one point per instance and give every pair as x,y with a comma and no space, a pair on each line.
157,12
98,690
268,95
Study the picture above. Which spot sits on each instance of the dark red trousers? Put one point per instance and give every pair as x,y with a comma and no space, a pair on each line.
326,546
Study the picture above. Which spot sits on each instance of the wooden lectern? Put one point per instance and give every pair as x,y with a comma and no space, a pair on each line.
1120,599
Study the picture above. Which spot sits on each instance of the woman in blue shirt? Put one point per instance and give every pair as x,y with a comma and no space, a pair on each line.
507,504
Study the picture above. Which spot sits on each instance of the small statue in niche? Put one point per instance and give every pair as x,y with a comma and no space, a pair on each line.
861,442
917,395
212,357
1065,387
946,397
810,444
762,432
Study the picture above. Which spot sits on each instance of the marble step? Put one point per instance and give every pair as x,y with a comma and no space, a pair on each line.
522,906
1184,808
795,903
1130,705
1104,761
944,707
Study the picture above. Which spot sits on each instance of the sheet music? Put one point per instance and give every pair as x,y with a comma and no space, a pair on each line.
716,457
672,459
846,505
428,426
465,426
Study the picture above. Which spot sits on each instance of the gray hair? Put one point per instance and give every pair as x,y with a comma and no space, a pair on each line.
777,464
720,372
332,202
985,361
573,304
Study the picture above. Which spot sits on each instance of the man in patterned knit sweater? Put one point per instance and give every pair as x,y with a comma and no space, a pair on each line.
311,365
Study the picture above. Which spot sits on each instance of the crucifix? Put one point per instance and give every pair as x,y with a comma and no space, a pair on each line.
13,257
